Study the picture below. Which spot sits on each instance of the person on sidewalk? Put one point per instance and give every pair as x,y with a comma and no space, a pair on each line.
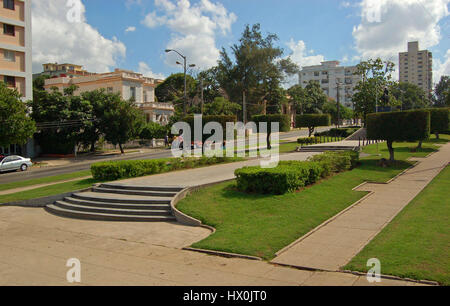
166,141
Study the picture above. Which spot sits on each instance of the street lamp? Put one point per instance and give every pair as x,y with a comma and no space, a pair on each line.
185,83
338,103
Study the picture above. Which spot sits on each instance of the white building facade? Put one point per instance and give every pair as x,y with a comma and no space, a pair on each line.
328,75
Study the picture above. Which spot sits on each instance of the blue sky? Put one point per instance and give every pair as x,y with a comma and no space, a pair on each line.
308,30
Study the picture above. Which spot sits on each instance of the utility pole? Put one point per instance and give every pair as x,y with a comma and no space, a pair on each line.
202,100
244,107
338,102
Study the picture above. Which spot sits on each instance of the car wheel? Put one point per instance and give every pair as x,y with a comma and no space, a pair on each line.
23,167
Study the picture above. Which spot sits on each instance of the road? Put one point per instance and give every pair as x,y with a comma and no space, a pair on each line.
75,167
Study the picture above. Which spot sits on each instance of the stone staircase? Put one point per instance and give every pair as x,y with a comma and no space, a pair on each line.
325,148
116,202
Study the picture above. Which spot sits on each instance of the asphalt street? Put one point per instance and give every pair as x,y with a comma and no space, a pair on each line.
75,167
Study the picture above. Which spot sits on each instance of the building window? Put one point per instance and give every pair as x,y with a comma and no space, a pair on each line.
9,56
10,81
133,93
316,73
109,90
8,4
9,30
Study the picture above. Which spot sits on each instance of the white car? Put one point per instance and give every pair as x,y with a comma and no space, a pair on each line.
14,162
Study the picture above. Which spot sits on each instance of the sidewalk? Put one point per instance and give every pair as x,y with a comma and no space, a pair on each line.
333,245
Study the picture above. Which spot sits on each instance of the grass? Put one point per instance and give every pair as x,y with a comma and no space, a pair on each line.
416,244
45,180
260,225
47,191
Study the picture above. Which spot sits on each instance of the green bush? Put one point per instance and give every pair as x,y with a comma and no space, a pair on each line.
110,171
398,126
308,140
335,162
286,177
439,120
311,121
283,120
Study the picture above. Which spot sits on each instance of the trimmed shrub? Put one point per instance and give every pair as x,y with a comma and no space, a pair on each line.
339,132
286,177
439,120
311,121
283,120
110,171
398,126
335,162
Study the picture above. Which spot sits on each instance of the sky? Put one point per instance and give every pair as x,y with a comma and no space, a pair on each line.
132,34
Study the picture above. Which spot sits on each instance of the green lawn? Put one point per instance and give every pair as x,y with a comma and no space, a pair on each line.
261,225
47,191
416,244
45,180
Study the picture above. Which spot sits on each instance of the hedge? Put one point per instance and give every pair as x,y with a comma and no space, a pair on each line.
439,120
290,176
398,126
110,171
317,140
311,121
285,125
221,119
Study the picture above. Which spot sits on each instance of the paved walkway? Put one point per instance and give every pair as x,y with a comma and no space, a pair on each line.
35,247
20,189
335,244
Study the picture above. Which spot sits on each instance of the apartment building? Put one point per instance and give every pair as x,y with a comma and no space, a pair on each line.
328,75
62,70
129,84
15,46
416,67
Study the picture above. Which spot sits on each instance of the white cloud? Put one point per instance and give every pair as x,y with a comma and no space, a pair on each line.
300,54
130,29
441,68
147,71
194,28
55,39
399,21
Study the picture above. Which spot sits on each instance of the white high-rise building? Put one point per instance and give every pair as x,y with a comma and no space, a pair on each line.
328,75
416,67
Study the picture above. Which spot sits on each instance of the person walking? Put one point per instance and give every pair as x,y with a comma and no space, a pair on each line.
166,141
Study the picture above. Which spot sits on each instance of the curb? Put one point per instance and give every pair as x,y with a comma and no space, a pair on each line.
223,254
43,202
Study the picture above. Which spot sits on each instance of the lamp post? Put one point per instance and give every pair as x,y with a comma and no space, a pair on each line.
338,103
185,83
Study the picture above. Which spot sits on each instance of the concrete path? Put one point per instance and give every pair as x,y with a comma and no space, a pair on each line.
35,247
332,246
206,175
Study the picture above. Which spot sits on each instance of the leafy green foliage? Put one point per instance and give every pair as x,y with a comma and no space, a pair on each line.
314,98
330,107
398,126
339,132
153,130
439,120
409,96
311,121
110,171
335,162
16,127
221,106
283,120
442,92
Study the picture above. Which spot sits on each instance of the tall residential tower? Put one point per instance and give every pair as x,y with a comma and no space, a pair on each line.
15,46
416,67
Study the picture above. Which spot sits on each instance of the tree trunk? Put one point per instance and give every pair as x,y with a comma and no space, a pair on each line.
121,149
269,146
391,150
93,146
437,135
311,131
419,146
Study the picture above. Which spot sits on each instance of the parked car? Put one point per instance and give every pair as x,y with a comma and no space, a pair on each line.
14,163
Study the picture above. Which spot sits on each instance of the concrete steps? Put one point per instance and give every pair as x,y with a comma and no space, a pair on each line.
117,202
324,148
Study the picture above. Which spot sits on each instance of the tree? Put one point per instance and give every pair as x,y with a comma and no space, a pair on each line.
311,121
122,121
330,107
442,92
172,90
16,127
221,106
398,126
297,95
153,130
257,71
282,120
376,77
314,99
409,96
